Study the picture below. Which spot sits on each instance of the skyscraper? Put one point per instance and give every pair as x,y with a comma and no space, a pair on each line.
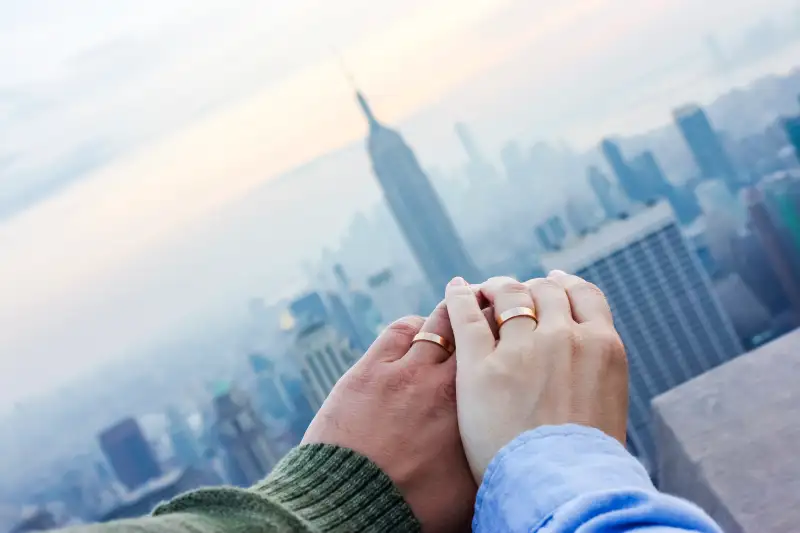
715,199
582,218
315,308
185,444
774,246
468,143
308,310
416,206
606,193
664,307
324,356
514,163
625,175
392,299
705,145
129,453
478,168
654,186
243,436
792,126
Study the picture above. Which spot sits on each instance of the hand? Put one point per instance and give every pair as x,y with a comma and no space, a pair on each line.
570,368
397,406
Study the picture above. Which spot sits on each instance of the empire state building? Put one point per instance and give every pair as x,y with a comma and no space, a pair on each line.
416,207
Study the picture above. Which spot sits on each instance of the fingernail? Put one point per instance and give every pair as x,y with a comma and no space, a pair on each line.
555,273
457,281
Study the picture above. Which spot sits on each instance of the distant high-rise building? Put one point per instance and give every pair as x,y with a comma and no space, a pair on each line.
391,298
792,127
625,175
774,246
416,206
315,308
324,356
129,453
243,436
514,163
716,199
705,145
582,218
185,445
468,142
664,307
655,186
748,258
551,233
748,314
606,193
343,320
478,169
782,192
169,485
308,310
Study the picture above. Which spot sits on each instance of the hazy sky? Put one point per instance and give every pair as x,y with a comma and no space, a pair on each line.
138,138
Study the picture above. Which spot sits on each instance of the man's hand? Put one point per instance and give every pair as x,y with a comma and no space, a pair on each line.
568,368
397,406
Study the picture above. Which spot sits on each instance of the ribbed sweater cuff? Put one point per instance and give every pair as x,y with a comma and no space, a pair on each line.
336,489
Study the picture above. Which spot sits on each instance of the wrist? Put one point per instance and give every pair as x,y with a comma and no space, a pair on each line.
559,463
335,488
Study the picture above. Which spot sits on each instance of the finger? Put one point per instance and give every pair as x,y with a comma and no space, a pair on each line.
587,301
427,352
470,330
488,313
506,294
394,341
552,303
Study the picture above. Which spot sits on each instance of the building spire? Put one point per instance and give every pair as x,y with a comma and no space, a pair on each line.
362,101
373,122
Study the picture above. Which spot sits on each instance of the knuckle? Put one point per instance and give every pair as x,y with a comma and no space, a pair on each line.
544,284
609,345
499,280
590,289
408,326
513,286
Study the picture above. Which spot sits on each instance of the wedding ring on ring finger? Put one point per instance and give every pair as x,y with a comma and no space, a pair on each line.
516,312
425,336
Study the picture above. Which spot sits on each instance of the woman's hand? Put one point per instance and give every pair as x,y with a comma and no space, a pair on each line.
570,367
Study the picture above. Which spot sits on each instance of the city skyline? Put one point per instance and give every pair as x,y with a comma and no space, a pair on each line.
82,354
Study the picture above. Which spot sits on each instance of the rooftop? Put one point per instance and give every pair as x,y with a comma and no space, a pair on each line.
611,237
728,439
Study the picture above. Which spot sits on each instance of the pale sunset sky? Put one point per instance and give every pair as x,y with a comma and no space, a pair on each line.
138,138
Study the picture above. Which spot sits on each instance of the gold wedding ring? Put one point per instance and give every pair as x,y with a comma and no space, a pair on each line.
424,336
515,312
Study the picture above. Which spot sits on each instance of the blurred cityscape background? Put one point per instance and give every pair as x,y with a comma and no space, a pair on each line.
658,159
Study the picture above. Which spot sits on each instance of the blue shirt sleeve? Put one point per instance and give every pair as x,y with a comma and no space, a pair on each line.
577,479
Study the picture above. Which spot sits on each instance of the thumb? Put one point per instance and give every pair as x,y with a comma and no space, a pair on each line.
473,336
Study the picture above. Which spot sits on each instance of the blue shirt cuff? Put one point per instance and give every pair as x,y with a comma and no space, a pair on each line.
543,469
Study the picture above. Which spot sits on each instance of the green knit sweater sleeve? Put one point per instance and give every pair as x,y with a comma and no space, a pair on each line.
315,488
